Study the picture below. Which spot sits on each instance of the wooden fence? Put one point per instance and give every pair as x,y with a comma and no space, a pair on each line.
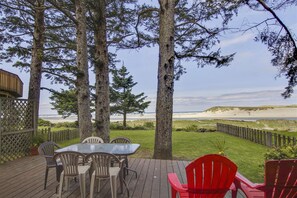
258,136
59,136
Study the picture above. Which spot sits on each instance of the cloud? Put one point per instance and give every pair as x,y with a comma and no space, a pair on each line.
237,40
200,103
252,98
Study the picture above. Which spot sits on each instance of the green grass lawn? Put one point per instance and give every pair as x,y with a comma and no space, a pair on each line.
248,156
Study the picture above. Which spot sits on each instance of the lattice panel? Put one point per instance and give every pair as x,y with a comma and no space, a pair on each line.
16,115
16,128
14,146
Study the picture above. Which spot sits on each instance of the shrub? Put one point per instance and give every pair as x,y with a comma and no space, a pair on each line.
116,126
149,125
191,128
67,124
42,122
119,126
37,140
284,152
194,128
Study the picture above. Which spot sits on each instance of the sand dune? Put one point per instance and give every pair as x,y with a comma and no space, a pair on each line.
236,112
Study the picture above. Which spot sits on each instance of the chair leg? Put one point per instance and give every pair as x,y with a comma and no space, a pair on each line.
61,185
173,193
126,162
122,178
59,170
134,171
113,185
45,179
98,185
82,185
92,185
67,180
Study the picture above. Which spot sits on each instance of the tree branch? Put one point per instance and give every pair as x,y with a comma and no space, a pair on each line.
266,7
65,12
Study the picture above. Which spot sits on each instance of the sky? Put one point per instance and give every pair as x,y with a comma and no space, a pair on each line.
250,80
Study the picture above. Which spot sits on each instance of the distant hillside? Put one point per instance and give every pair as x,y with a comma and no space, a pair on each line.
230,108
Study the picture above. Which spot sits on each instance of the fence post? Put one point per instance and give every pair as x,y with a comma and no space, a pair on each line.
269,139
288,140
279,140
1,131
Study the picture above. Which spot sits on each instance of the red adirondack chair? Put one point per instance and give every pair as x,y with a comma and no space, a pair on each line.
280,181
207,176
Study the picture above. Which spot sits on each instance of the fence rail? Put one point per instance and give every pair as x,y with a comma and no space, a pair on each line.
258,136
59,136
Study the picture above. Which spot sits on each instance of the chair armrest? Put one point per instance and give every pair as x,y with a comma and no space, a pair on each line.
121,161
175,183
241,179
49,156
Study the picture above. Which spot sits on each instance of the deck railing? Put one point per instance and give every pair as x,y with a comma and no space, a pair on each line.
59,136
258,136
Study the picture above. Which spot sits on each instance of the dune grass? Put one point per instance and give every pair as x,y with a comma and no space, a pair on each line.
248,156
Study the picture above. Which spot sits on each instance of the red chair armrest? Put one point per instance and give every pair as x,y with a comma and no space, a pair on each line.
175,183
241,179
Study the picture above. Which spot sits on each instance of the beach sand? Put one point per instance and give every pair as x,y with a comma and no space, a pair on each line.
235,113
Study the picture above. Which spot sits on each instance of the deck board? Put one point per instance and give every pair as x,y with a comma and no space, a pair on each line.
25,178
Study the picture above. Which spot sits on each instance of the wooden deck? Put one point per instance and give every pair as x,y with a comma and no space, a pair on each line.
24,178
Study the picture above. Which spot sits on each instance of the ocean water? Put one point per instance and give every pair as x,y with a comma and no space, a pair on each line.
193,115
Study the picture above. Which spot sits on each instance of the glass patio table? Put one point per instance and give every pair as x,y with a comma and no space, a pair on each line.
116,149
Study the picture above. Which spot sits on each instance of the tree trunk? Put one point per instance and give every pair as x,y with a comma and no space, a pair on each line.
102,118
83,92
124,119
37,58
164,106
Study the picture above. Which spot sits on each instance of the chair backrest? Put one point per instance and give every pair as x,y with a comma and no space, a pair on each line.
70,161
48,149
281,178
210,175
93,140
122,140
101,162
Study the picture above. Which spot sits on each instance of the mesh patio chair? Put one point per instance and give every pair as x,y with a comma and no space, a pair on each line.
93,140
102,169
47,149
72,169
124,140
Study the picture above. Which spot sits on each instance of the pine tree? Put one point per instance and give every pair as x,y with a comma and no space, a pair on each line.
182,30
123,101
